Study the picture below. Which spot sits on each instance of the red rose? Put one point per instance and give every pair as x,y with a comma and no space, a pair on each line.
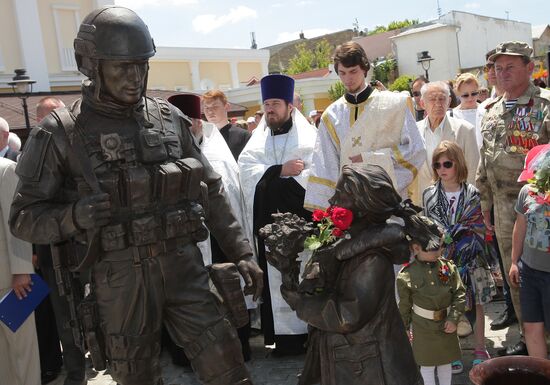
341,218
318,215
337,232
488,237
329,210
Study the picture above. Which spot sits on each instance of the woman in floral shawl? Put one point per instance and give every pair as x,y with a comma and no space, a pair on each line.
455,206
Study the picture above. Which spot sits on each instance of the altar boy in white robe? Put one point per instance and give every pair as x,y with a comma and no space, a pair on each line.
364,126
274,168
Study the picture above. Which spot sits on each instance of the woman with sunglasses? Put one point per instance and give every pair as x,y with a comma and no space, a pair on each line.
455,205
467,89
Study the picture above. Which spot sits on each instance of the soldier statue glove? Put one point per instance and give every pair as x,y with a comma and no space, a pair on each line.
253,277
92,211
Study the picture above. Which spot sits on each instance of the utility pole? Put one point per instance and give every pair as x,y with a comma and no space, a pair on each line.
439,12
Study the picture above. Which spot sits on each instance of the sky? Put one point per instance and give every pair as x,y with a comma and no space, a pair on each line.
228,24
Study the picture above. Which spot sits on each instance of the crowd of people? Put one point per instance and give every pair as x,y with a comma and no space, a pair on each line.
127,186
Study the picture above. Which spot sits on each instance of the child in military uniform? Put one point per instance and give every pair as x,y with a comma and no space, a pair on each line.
455,206
431,299
531,243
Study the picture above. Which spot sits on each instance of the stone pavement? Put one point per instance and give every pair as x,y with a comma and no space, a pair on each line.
269,370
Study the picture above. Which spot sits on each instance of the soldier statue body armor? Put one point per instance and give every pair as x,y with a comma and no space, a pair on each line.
121,186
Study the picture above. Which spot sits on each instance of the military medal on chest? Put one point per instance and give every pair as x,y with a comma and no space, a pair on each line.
523,129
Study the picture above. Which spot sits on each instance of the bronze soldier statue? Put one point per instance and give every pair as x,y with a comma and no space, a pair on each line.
116,183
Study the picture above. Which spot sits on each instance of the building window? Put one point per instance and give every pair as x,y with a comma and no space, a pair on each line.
66,19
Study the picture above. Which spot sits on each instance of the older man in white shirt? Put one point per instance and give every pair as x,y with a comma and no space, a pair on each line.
438,126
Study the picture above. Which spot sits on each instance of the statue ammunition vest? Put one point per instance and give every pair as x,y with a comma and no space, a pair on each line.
156,194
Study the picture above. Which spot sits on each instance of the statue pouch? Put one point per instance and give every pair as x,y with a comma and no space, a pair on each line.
109,183
137,183
168,179
192,174
113,237
175,224
144,231
151,147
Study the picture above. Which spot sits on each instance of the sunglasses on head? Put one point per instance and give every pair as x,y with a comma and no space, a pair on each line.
446,164
416,93
475,93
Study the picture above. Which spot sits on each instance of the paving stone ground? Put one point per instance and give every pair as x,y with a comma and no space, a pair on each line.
269,370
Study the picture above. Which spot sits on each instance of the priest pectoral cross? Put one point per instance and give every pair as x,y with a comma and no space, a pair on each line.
356,142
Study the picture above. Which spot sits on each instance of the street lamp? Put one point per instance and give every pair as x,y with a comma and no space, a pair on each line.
424,59
22,87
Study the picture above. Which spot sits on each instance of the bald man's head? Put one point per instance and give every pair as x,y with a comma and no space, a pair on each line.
4,133
47,105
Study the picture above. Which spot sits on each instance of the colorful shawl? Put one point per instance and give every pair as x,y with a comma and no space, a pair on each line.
464,232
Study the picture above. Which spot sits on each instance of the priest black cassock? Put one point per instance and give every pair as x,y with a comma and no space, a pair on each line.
274,169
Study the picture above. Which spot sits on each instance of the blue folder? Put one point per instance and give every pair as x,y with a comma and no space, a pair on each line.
13,311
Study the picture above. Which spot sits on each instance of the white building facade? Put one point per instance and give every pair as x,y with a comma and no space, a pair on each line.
457,41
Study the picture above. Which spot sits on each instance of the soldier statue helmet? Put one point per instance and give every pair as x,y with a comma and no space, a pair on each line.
115,183
112,33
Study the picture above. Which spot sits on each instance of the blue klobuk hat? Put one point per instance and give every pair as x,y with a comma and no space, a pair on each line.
277,87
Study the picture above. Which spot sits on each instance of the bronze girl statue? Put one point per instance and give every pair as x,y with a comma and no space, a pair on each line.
347,294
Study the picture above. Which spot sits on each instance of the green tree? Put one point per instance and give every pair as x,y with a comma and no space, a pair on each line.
307,59
378,29
302,61
336,91
383,70
401,24
393,25
402,83
322,54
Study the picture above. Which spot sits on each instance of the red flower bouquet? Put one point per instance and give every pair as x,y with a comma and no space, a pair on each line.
332,224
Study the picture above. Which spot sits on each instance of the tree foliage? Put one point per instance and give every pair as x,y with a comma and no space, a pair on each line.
402,83
383,71
323,53
336,91
393,25
307,59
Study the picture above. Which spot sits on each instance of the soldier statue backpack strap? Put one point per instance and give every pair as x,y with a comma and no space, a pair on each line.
68,121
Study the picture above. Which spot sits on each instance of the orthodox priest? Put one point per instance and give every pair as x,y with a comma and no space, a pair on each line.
364,126
274,167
